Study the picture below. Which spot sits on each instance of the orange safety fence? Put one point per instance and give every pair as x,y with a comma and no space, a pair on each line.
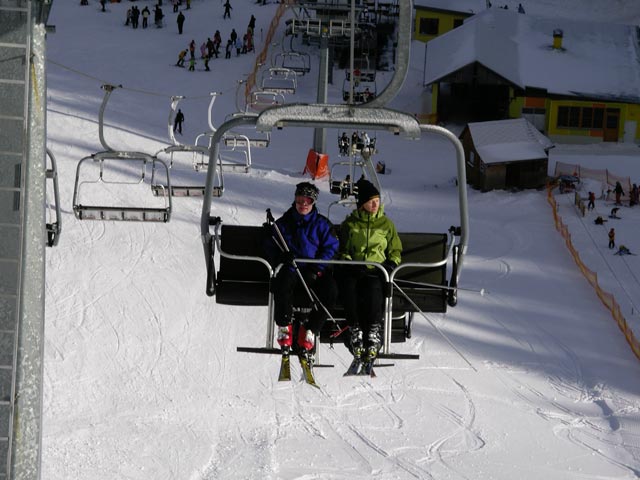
605,176
606,298
261,59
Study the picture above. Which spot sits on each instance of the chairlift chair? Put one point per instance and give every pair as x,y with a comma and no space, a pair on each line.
110,174
199,157
279,80
243,136
299,62
364,92
54,226
260,100
306,26
426,280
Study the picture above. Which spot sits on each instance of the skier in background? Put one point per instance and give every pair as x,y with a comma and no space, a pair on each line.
614,213
181,57
177,123
145,16
180,22
227,9
612,238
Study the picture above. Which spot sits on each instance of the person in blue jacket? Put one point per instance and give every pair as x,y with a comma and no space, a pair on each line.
308,234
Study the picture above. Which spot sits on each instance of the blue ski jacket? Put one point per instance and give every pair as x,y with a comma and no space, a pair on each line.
307,236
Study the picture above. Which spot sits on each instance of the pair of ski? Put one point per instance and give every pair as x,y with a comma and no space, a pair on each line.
307,369
360,367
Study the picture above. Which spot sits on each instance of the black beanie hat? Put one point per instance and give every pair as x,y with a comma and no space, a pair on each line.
366,191
307,189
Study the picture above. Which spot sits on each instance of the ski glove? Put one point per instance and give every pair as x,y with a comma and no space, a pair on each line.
287,258
389,266
310,275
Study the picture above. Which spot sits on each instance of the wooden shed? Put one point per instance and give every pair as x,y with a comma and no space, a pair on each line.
505,154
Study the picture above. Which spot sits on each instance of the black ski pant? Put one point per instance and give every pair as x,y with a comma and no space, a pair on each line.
362,295
288,292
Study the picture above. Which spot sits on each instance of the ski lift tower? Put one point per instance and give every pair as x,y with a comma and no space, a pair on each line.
23,233
336,21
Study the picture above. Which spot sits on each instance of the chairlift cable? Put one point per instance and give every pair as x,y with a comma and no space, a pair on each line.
135,90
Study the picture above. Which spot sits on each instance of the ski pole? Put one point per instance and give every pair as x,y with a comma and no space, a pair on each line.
455,349
480,291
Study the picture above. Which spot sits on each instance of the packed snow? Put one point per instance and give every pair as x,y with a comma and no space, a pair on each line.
142,380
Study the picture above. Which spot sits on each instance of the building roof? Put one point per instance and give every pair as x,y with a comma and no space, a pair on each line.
513,140
597,60
469,7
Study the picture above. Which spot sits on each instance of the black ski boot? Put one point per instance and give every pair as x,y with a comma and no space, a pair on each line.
356,347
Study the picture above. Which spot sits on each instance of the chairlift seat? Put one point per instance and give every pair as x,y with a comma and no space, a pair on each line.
416,248
242,281
122,213
185,191
423,248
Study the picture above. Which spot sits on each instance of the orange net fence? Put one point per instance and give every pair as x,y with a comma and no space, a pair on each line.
261,58
606,177
606,298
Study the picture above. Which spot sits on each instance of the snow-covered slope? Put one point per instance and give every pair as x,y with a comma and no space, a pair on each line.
142,377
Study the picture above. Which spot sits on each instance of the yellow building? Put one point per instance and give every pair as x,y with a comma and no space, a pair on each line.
575,81
436,17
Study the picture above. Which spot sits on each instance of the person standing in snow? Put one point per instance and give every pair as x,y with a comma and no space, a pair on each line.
634,197
158,16
367,234
308,234
145,16
229,47
180,21
252,24
612,238
592,201
619,192
211,48
217,41
135,16
177,123
227,9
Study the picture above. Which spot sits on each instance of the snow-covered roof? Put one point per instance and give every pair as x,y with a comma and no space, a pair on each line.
511,140
598,60
461,6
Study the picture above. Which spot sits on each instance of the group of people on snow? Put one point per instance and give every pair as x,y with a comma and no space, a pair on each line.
211,47
366,234
619,192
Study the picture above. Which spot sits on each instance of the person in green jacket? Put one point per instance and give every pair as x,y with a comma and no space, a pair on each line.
366,234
